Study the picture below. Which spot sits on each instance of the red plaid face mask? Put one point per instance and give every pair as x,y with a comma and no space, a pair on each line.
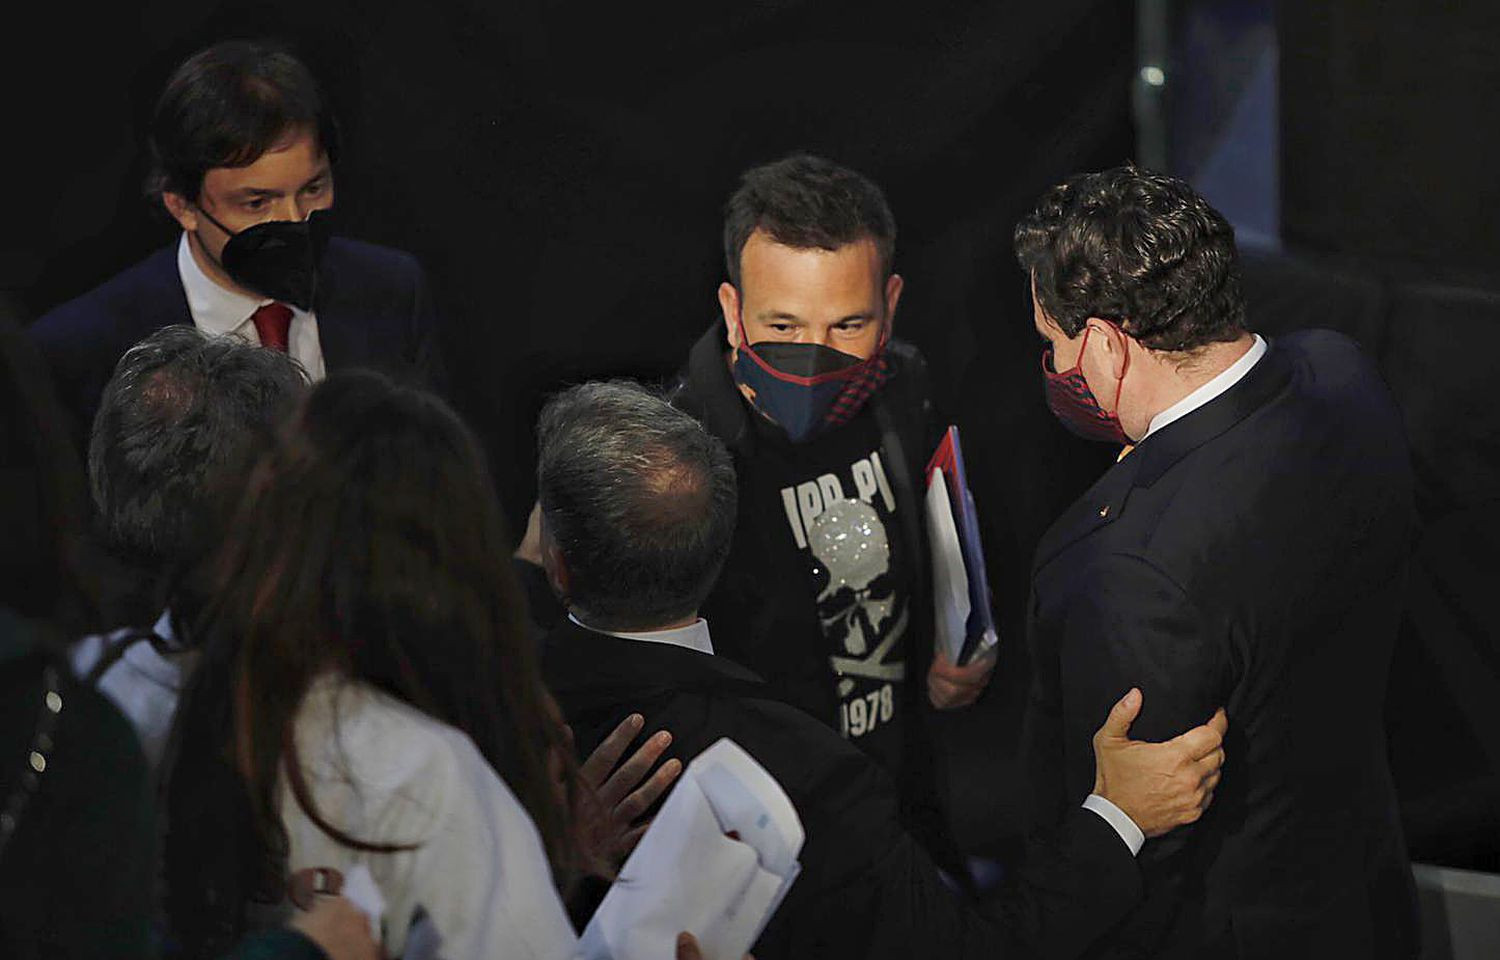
1072,402
807,388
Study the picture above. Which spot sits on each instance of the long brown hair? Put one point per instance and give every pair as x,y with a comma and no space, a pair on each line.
369,542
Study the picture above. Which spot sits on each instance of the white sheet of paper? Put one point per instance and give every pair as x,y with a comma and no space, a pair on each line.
687,874
360,889
950,579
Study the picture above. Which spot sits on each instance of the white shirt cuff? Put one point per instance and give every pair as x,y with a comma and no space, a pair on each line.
1119,819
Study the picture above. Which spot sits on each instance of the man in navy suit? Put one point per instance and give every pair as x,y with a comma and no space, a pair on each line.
242,150
1247,549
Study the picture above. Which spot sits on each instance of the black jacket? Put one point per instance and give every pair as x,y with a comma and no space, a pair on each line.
1250,554
764,606
372,306
76,875
867,888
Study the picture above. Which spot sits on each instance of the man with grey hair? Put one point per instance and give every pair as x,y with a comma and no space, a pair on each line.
638,505
180,419
640,498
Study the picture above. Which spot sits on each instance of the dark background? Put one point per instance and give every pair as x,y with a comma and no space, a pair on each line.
559,169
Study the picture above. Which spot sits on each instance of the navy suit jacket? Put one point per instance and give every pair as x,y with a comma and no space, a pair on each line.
372,306
1250,554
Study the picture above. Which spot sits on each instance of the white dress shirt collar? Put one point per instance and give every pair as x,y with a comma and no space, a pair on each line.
694,636
147,658
1231,375
216,310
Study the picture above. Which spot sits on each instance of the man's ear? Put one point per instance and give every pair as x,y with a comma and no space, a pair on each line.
893,285
1115,343
180,210
729,304
557,569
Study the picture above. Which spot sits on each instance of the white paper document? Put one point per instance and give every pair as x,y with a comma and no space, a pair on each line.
716,862
361,890
950,580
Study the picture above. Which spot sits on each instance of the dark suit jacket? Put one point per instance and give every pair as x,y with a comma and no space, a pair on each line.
372,306
867,889
1249,554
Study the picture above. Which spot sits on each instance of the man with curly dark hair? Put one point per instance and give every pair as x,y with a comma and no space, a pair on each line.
1247,549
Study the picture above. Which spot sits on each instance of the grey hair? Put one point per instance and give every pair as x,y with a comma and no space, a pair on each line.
182,413
640,501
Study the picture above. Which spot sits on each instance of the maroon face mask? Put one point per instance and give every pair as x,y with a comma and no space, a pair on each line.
1072,402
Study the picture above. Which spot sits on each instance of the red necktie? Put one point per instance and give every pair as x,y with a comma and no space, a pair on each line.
271,322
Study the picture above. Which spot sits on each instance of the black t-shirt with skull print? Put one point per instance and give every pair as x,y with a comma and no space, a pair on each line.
821,594
829,507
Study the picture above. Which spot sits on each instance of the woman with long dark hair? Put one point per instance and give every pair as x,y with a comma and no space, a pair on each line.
369,695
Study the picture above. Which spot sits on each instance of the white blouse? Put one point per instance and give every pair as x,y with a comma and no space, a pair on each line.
383,771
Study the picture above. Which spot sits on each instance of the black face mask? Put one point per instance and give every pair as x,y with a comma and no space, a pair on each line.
277,259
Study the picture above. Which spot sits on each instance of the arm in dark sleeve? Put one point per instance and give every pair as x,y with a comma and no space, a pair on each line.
1075,882
1133,626
868,889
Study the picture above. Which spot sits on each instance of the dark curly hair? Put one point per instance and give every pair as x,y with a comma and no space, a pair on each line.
805,201
1138,248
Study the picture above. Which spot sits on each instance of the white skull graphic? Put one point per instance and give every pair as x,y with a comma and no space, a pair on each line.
849,541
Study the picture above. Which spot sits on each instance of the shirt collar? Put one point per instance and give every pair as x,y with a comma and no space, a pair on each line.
216,311
166,670
1229,377
694,636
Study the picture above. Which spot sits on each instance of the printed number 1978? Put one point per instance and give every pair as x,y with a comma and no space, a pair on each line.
860,715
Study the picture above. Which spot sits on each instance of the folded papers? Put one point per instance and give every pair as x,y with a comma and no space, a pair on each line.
716,862
963,621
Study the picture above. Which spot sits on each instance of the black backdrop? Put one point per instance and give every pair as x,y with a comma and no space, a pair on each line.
560,168
1389,143
1389,192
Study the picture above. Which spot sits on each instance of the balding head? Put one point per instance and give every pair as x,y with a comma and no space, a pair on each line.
639,502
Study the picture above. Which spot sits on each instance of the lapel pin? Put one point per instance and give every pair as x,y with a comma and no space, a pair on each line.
1104,510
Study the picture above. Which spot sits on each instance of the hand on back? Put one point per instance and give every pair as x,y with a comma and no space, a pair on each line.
624,790
1161,786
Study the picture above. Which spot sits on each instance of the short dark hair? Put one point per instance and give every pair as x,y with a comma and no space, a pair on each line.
225,107
182,413
1138,248
640,500
805,201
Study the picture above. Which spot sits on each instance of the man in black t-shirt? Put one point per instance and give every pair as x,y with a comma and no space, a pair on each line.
826,590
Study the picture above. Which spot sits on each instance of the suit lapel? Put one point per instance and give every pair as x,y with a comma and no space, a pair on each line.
163,299
1105,501
1099,506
